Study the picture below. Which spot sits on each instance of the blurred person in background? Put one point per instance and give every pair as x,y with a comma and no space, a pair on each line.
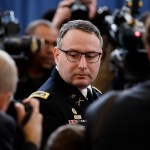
9,125
120,119
39,63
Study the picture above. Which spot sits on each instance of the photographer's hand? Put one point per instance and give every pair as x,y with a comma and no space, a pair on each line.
33,128
63,13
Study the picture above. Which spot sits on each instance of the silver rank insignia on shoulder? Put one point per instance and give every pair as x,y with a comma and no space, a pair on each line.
74,111
40,94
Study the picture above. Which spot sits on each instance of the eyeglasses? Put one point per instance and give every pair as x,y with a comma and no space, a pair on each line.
74,56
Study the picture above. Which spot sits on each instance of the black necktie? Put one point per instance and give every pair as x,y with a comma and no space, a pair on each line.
89,95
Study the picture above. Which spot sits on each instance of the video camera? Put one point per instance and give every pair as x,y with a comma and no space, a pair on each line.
128,60
123,19
17,47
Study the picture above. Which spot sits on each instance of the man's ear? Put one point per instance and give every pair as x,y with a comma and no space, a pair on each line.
5,100
56,54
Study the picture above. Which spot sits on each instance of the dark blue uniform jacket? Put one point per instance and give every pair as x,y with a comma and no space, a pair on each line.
61,103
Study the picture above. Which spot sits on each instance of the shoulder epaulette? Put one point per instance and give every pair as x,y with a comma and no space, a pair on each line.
40,94
97,89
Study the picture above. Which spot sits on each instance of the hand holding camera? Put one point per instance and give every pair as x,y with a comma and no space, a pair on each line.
69,10
30,119
63,13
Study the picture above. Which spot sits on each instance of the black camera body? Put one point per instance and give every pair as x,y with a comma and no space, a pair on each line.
128,60
9,25
17,47
19,139
79,10
12,111
22,47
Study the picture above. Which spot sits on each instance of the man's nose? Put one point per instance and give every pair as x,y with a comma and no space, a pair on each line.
83,62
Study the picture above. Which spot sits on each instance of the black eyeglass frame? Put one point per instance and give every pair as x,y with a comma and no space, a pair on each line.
66,52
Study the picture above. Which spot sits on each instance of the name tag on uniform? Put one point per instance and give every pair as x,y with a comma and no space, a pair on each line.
77,117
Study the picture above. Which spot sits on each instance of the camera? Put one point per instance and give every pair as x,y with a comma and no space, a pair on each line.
126,15
79,10
21,47
12,111
19,138
9,25
17,47
128,60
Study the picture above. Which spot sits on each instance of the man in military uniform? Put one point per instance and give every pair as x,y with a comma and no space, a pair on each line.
63,98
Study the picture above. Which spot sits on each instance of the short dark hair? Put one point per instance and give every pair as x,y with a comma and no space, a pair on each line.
83,25
32,25
67,137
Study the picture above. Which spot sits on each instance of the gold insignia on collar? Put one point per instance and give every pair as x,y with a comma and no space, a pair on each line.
74,111
40,94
